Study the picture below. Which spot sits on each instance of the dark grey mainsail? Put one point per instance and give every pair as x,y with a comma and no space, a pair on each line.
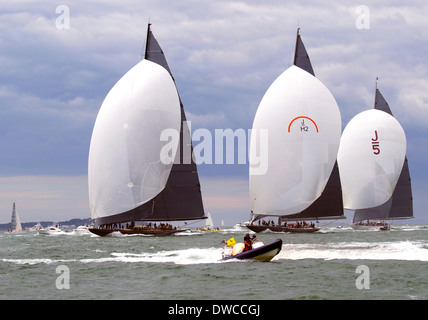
181,199
154,51
301,57
400,205
330,204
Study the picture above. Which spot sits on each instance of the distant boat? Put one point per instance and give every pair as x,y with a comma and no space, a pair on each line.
50,230
130,176
304,126
81,230
374,168
15,223
36,227
209,225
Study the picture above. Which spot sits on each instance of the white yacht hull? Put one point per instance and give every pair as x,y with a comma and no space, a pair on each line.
50,231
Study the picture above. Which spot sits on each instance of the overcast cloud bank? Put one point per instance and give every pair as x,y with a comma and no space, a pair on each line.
223,54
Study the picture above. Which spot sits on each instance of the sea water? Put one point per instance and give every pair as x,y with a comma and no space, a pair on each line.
335,263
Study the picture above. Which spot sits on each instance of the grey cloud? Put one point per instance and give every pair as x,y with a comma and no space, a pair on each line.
223,54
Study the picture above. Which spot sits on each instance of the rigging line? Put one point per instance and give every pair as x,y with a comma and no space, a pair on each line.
188,224
145,49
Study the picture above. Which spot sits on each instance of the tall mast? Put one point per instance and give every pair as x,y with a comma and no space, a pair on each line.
147,40
295,48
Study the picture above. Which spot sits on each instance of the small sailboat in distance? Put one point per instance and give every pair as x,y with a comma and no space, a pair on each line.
15,223
304,126
377,184
209,224
132,176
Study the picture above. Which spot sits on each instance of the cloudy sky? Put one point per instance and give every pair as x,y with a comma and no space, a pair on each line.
58,60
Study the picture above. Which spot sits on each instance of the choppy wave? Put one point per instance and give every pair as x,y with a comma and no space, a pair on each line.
401,250
185,256
341,243
148,267
36,261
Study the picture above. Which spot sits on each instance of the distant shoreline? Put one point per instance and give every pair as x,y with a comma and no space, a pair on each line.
72,223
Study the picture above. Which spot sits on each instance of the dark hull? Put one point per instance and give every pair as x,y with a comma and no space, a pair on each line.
264,253
257,229
146,231
295,230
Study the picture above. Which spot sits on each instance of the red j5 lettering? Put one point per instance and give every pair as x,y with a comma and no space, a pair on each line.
375,144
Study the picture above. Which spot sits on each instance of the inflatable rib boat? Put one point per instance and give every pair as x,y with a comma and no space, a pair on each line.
261,253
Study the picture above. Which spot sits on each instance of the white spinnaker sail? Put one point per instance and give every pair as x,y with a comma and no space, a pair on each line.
370,159
303,123
125,168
